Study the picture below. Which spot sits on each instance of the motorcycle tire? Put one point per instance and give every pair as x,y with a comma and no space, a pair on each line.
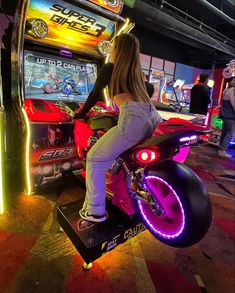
48,88
185,201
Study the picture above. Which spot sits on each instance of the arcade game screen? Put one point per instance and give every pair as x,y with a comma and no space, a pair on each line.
56,78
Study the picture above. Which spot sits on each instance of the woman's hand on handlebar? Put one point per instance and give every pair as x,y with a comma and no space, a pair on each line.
78,116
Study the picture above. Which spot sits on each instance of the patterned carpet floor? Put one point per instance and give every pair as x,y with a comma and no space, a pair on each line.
35,256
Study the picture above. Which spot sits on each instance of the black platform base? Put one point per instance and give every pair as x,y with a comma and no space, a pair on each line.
92,241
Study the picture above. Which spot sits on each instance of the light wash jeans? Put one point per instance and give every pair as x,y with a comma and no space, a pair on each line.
136,122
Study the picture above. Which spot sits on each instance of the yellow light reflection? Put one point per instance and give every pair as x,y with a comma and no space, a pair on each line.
27,154
129,28
1,166
106,97
210,82
121,30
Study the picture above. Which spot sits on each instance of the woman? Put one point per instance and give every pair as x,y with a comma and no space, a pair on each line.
137,121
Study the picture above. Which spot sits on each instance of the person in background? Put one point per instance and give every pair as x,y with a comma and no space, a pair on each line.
200,96
149,86
128,92
227,114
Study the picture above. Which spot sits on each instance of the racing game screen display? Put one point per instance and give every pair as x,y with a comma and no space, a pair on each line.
56,78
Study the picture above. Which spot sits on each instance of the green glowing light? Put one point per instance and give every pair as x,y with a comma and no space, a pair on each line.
219,123
129,3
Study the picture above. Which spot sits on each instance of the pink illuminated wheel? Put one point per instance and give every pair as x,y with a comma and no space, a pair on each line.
185,209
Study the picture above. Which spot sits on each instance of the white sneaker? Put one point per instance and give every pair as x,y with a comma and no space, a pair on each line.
223,154
92,218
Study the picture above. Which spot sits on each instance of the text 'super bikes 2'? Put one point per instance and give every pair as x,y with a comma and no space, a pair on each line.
150,178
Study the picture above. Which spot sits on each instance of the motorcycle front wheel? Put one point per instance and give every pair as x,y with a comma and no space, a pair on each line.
48,88
184,201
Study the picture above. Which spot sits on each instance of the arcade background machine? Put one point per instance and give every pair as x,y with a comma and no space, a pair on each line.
165,97
57,49
169,99
174,95
215,122
158,79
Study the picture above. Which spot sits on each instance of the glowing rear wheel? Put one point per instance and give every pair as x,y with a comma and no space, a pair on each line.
180,213
170,223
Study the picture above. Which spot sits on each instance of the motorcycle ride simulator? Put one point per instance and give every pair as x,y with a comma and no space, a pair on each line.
144,187
148,186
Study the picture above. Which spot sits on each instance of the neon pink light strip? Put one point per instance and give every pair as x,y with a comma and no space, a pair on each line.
169,236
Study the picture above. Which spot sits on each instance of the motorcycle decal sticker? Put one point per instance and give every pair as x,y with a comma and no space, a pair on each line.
55,154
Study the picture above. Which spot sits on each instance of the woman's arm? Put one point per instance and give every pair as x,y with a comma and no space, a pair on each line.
103,79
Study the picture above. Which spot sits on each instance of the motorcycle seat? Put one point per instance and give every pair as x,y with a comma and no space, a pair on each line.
102,122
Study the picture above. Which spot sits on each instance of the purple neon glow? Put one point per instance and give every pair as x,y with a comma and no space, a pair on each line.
206,119
182,155
188,138
66,53
164,232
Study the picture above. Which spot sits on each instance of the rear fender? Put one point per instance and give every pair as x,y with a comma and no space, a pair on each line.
182,154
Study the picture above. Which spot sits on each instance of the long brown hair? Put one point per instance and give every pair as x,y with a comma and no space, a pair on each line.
127,76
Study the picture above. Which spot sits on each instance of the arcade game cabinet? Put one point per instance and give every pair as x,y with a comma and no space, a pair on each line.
168,98
57,52
174,95
158,79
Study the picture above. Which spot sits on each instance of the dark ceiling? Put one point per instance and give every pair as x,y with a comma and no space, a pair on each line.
201,31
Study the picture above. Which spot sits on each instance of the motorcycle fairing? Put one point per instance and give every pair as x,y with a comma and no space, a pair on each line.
39,110
117,185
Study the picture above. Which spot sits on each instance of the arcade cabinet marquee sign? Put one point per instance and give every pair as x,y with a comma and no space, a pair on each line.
57,22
